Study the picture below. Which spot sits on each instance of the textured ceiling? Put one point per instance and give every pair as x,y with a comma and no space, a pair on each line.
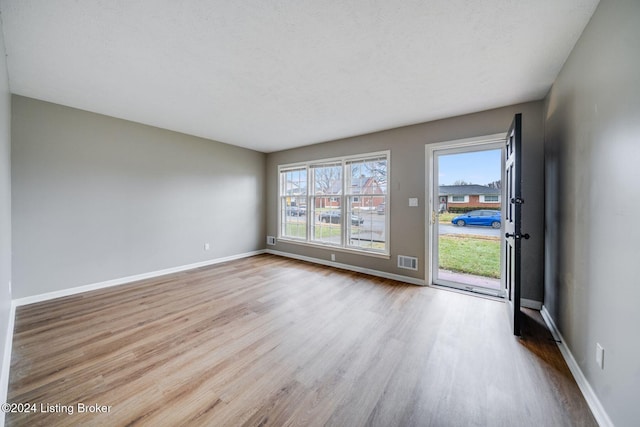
276,74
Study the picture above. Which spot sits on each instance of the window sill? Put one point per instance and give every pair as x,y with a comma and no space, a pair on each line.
381,255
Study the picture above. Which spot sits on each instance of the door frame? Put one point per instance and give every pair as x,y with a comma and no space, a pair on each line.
494,141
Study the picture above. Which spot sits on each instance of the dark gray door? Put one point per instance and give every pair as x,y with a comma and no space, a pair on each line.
513,233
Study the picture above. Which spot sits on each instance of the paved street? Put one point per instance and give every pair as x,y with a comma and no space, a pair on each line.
479,231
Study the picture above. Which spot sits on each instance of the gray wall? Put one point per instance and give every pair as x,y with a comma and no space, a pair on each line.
96,198
592,147
5,202
407,179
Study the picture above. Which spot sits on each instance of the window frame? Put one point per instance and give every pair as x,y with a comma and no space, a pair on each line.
465,198
282,198
343,198
483,198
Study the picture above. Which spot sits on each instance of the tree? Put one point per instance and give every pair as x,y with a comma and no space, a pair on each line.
462,182
325,178
376,169
495,184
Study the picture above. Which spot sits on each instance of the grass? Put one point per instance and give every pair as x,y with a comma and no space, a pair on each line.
321,231
327,231
471,255
446,217
461,253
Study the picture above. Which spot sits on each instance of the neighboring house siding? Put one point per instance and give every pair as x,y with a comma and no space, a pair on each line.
473,200
369,200
365,191
467,196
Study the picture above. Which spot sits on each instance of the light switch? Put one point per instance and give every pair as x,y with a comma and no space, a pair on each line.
413,201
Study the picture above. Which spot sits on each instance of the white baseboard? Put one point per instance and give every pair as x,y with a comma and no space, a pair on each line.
128,279
369,271
590,396
531,303
6,360
524,302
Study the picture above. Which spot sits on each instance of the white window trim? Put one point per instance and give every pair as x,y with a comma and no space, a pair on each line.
450,199
281,196
482,198
343,246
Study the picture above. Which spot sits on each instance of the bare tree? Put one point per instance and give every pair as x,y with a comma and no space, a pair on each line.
325,179
376,169
495,184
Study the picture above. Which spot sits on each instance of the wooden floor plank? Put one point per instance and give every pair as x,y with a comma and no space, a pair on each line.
273,341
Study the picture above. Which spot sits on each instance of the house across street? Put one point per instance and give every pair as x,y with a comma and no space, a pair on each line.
468,196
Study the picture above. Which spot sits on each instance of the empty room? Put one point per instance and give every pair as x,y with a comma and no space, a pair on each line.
344,213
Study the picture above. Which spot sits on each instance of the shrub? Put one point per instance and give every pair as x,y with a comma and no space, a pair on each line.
464,209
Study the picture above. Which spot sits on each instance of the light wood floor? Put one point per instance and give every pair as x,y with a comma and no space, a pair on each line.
272,341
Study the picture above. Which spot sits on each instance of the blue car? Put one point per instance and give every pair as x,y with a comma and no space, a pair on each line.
487,218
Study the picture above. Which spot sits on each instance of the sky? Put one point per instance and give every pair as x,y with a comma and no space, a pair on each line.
478,167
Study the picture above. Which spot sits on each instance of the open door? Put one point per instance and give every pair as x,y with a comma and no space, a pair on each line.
513,234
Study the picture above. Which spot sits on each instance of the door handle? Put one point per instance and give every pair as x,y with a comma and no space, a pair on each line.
517,235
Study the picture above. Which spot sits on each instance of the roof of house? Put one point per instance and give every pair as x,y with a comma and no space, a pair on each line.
463,190
361,185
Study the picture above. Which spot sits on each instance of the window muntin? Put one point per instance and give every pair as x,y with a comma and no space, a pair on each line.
344,202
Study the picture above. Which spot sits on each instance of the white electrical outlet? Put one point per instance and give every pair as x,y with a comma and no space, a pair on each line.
413,202
271,240
206,247
600,355
333,257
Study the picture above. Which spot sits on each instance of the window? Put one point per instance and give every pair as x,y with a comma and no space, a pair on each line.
293,203
336,203
366,191
458,199
487,198
327,185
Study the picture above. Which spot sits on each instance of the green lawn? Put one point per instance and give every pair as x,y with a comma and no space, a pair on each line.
325,231
446,217
322,230
471,255
459,253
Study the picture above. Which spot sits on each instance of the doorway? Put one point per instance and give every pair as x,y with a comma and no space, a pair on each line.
466,204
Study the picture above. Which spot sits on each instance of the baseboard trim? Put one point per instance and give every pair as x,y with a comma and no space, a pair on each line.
377,273
6,360
124,280
590,396
531,303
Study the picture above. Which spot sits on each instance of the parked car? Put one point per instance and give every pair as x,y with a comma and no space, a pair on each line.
296,210
488,218
334,217
381,209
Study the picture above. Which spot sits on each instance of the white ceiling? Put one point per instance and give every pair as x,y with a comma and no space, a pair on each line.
276,74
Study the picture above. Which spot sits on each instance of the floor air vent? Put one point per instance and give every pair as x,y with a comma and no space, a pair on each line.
408,262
